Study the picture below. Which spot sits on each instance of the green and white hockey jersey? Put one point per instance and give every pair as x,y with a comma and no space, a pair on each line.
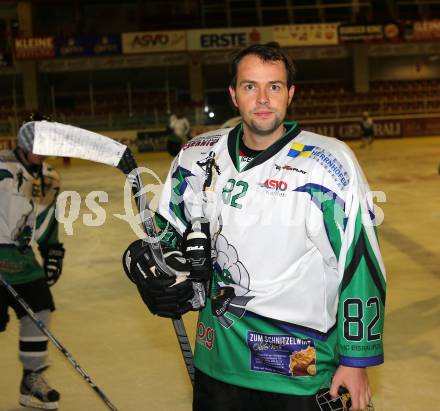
299,283
27,214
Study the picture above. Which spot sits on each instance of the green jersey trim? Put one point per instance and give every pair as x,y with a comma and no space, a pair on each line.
50,234
361,249
264,355
333,210
179,185
292,130
169,236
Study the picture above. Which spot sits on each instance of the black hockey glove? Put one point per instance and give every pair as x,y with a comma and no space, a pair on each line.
197,246
164,295
53,255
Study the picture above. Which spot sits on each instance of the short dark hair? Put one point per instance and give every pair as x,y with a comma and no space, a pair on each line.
266,52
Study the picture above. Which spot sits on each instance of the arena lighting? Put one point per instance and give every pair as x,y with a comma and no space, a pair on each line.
211,114
206,109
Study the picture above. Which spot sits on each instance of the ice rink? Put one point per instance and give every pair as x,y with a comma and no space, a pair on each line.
134,357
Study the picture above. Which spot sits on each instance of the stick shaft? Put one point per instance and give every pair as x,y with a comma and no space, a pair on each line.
37,321
129,167
185,347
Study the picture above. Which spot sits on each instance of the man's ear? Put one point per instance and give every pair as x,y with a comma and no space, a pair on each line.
232,94
291,93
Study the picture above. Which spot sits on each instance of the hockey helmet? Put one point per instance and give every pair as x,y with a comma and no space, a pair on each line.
25,135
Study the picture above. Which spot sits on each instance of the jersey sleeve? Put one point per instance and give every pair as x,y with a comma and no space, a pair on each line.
179,201
362,288
169,236
46,226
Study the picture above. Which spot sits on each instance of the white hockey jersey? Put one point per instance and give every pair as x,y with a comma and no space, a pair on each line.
27,214
299,283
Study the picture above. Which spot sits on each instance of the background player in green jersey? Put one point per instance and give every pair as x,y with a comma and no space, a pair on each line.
28,192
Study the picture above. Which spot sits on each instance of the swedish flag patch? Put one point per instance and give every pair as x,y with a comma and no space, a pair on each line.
300,150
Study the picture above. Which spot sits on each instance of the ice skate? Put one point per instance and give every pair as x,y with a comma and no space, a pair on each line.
35,392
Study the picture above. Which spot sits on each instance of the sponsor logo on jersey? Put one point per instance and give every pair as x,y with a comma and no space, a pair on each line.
201,142
300,150
289,168
205,335
245,159
282,354
211,169
332,165
323,157
274,187
11,266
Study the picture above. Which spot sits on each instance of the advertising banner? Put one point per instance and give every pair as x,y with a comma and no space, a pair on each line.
306,35
318,53
33,48
368,33
107,45
232,38
345,130
152,140
87,46
403,49
296,53
422,127
113,62
426,30
153,41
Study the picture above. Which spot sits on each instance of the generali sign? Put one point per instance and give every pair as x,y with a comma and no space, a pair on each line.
351,129
153,41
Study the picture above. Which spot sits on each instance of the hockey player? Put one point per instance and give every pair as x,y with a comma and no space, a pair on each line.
296,304
179,127
367,130
28,192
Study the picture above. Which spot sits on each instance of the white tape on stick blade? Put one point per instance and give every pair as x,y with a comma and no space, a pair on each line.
56,139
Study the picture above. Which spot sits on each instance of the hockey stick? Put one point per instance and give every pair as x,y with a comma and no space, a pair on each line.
57,344
62,140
